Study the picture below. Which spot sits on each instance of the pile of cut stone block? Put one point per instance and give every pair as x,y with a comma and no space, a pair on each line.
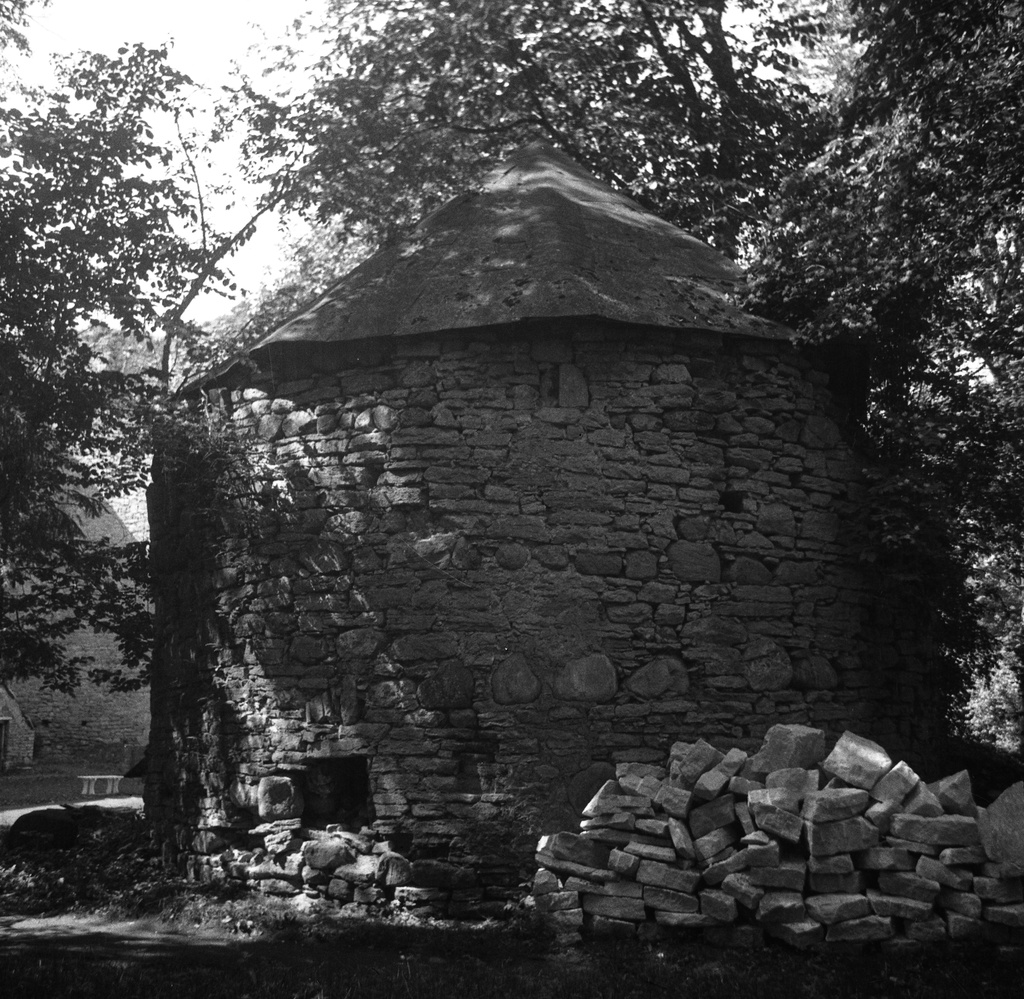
810,848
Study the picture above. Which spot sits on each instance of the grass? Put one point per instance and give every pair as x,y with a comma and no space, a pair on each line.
263,948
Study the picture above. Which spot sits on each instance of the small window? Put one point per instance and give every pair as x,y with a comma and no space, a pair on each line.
338,791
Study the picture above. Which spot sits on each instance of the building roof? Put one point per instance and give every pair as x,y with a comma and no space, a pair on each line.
541,239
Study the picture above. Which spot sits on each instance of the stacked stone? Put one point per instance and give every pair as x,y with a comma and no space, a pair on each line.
810,848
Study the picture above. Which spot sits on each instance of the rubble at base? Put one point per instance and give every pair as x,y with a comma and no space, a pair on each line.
816,850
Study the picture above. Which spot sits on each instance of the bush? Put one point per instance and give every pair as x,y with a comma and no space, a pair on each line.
993,712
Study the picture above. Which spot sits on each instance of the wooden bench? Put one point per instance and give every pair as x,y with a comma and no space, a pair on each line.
113,783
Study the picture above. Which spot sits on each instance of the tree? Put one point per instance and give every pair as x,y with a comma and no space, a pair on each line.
904,239
676,102
98,219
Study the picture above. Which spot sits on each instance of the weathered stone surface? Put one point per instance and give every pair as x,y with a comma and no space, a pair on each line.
790,874
741,888
666,900
513,682
837,863
568,846
896,784
964,902
689,761
718,905
944,830
842,884
655,678
694,562
631,909
650,872
674,801
682,841
279,798
814,673
713,815
1002,826
326,854
789,746
780,823
710,845
858,761
834,804
884,858
801,933
782,907
796,779
451,687
544,882
767,666
1007,915
955,794
921,801
1002,890
931,929
935,870
774,797
648,851
837,908
861,930
844,836
590,678
908,885
441,874
584,785
626,864
557,901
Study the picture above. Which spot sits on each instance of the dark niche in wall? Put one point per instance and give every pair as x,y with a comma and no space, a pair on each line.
337,791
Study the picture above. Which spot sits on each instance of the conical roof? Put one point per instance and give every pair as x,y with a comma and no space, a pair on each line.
541,239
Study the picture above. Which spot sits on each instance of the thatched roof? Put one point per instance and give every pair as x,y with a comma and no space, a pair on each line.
541,239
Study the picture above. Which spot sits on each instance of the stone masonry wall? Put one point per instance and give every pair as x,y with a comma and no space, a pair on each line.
495,565
94,724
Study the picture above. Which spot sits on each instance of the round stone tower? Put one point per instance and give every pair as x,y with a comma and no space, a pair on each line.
520,497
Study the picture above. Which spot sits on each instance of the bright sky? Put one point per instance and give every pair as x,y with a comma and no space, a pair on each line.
207,35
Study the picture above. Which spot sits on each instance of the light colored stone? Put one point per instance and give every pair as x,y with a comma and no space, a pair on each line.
951,877
557,901
689,761
780,823
896,784
659,875
796,779
789,746
834,804
1002,826
884,858
921,801
857,761
844,836
943,830
666,900
837,908
955,794
279,798
682,841
674,801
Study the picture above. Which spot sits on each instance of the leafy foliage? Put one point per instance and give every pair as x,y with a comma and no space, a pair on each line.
698,119
904,239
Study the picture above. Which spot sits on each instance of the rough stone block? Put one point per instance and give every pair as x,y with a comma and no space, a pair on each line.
666,900
674,801
963,927
688,762
589,678
921,801
884,858
575,849
799,780
880,814
545,882
647,851
788,746
802,933
714,815
279,798
710,784
929,930
1002,826
898,905
780,823
943,830
951,877
714,843
658,875
781,907
684,920
625,864
718,905
631,909
1002,890
682,841
896,784
837,908
774,797
843,884
763,855
836,863
861,930
955,794
908,885
608,928
791,875
962,855
844,836
740,887
620,821
720,870
857,761
964,902
1007,915
834,804
557,901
